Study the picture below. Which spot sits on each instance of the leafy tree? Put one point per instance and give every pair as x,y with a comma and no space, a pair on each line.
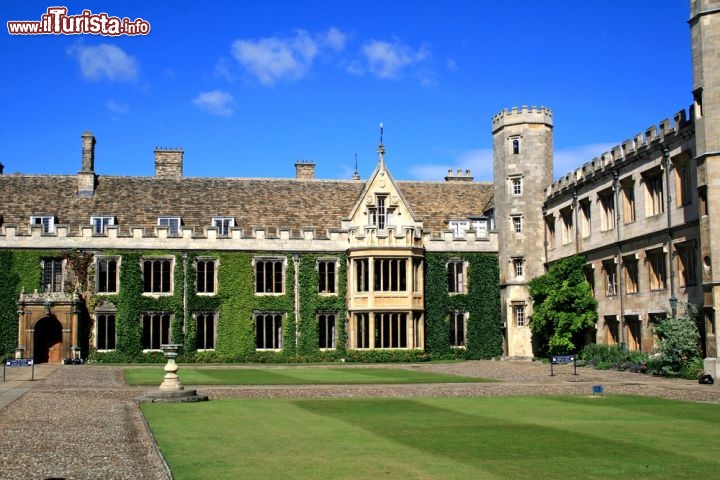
678,343
563,308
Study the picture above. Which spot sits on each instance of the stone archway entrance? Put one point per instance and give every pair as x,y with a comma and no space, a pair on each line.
47,341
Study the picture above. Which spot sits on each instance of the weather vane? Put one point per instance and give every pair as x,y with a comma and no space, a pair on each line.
381,133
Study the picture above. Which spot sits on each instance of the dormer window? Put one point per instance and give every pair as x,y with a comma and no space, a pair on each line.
224,225
100,224
481,227
47,222
173,224
459,227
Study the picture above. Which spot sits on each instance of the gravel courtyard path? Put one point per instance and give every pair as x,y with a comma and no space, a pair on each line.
80,422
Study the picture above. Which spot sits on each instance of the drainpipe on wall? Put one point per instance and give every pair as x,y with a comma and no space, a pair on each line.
671,270
545,235
576,214
618,258
185,258
296,265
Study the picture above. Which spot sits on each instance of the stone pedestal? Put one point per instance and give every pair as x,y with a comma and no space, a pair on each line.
170,390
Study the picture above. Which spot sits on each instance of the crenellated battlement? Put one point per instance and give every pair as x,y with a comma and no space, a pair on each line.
281,239
522,115
628,150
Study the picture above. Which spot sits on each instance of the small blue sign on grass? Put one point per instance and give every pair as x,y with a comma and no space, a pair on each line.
598,390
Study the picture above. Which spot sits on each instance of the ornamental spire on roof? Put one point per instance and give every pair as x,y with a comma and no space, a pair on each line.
356,175
381,149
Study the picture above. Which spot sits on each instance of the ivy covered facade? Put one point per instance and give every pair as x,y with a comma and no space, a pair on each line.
288,270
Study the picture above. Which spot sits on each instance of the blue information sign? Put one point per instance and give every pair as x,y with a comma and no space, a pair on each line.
19,362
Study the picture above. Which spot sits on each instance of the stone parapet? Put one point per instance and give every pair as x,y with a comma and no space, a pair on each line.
628,151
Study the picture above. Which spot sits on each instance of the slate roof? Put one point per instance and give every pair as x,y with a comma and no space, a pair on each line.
254,202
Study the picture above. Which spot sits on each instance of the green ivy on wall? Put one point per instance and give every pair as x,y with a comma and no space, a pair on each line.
19,270
482,302
236,302
311,303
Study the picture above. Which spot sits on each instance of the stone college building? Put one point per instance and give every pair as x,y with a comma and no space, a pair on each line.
112,267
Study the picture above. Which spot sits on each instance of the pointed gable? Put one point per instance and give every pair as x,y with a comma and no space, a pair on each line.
381,203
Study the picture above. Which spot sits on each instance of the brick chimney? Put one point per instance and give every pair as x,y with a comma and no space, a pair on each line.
460,177
168,162
86,175
305,169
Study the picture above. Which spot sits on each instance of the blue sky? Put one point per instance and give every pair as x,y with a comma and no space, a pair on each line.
248,88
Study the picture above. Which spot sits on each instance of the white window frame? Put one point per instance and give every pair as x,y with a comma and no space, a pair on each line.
101,222
224,225
172,223
97,274
516,223
283,273
171,274
169,329
481,227
57,284
456,342
516,185
518,313
458,285
277,335
518,267
97,325
215,263
46,221
334,261
332,330
459,227
208,316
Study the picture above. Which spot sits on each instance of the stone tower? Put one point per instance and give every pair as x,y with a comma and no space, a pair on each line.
522,165
705,38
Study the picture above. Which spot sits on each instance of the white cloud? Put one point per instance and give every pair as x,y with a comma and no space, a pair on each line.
388,59
215,102
273,59
451,65
105,61
335,39
569,159
115,107
222,69
479,162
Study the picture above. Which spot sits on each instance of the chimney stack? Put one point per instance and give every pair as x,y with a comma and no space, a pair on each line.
86,175
88,152
168,162
460,177
304,169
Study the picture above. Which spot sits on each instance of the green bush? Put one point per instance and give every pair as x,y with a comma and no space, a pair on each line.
692,369
679,343
606,357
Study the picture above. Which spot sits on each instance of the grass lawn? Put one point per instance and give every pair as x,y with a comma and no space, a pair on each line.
291,376
440,438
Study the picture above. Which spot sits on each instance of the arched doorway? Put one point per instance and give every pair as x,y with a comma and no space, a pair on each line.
47,341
